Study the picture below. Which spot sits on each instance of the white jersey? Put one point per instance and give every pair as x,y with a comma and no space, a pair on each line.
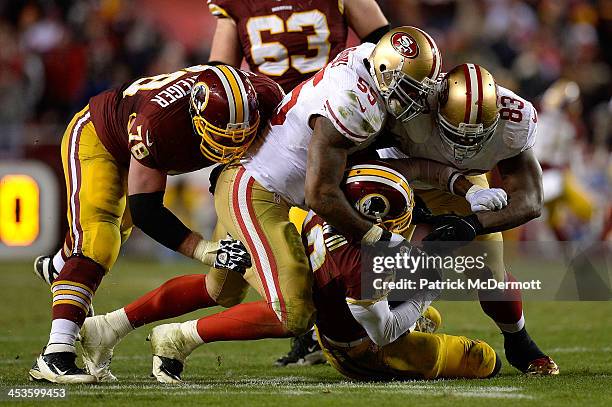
345,93
515,133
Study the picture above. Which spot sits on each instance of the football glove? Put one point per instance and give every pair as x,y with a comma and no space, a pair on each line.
232,255
486,199
228,253
455,228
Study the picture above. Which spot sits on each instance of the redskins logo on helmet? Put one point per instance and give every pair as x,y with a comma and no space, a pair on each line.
381,194
224,112
467,110
405,65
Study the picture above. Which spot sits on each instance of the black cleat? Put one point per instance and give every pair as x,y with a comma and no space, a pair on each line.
523,353
59,367
305,351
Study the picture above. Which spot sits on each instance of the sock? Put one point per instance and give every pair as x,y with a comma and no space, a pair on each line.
72,291
63,336
119,321
253,320
59,260
505,307
174,298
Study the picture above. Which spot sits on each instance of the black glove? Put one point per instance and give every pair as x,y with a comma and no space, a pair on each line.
232,255
455,228
420,212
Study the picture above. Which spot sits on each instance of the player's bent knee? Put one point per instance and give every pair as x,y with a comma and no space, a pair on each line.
102,244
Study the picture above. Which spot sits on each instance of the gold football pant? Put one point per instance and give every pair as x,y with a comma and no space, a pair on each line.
415,355
440,202
281,272
96,190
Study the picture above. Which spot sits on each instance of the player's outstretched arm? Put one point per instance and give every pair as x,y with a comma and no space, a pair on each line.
367,19
225,46
327,154
522,180
146,187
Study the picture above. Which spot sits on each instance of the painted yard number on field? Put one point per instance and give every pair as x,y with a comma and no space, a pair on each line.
19,210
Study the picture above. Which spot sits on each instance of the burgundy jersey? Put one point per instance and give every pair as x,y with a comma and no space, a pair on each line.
287,41
336,263
149,119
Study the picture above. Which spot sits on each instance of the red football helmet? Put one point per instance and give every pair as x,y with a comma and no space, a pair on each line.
225,112
381,194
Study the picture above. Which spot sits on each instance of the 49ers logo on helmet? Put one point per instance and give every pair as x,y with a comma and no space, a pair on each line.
405,45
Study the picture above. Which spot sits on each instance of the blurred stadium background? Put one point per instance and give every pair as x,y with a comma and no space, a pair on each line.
56,54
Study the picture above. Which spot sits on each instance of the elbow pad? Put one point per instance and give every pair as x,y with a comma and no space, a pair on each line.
152,217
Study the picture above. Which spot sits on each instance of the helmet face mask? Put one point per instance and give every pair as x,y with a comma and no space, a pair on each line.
405,65
466,140
407,98
224,139
468,114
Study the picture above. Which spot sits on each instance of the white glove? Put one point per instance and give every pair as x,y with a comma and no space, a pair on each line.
486,199
377,234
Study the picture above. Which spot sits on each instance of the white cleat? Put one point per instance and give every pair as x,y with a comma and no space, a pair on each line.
170,348
98,339
59,368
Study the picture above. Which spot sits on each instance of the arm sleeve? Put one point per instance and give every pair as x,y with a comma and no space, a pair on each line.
152,217
383,324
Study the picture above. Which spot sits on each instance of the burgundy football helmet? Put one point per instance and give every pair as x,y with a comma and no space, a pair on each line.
225,112
381,194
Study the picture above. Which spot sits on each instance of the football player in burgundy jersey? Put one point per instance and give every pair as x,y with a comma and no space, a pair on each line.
289,41
364,338
117,153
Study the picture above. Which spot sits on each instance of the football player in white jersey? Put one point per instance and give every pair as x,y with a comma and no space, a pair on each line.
300,160
478,126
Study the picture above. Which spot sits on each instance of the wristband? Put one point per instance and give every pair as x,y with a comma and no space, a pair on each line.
373,235
473,189
206,252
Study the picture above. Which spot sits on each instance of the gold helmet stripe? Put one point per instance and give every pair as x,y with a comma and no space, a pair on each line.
228,92
233,82
382,180
380,175
243,94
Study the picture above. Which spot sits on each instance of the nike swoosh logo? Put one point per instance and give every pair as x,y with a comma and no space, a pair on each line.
311,348
363,109
149,143
59,372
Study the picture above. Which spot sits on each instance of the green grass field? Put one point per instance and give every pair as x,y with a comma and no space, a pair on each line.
577,335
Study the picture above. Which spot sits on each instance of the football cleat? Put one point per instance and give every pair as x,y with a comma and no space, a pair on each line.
170,348
543,366
59,367
43,268
98,339
305,351
429,322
